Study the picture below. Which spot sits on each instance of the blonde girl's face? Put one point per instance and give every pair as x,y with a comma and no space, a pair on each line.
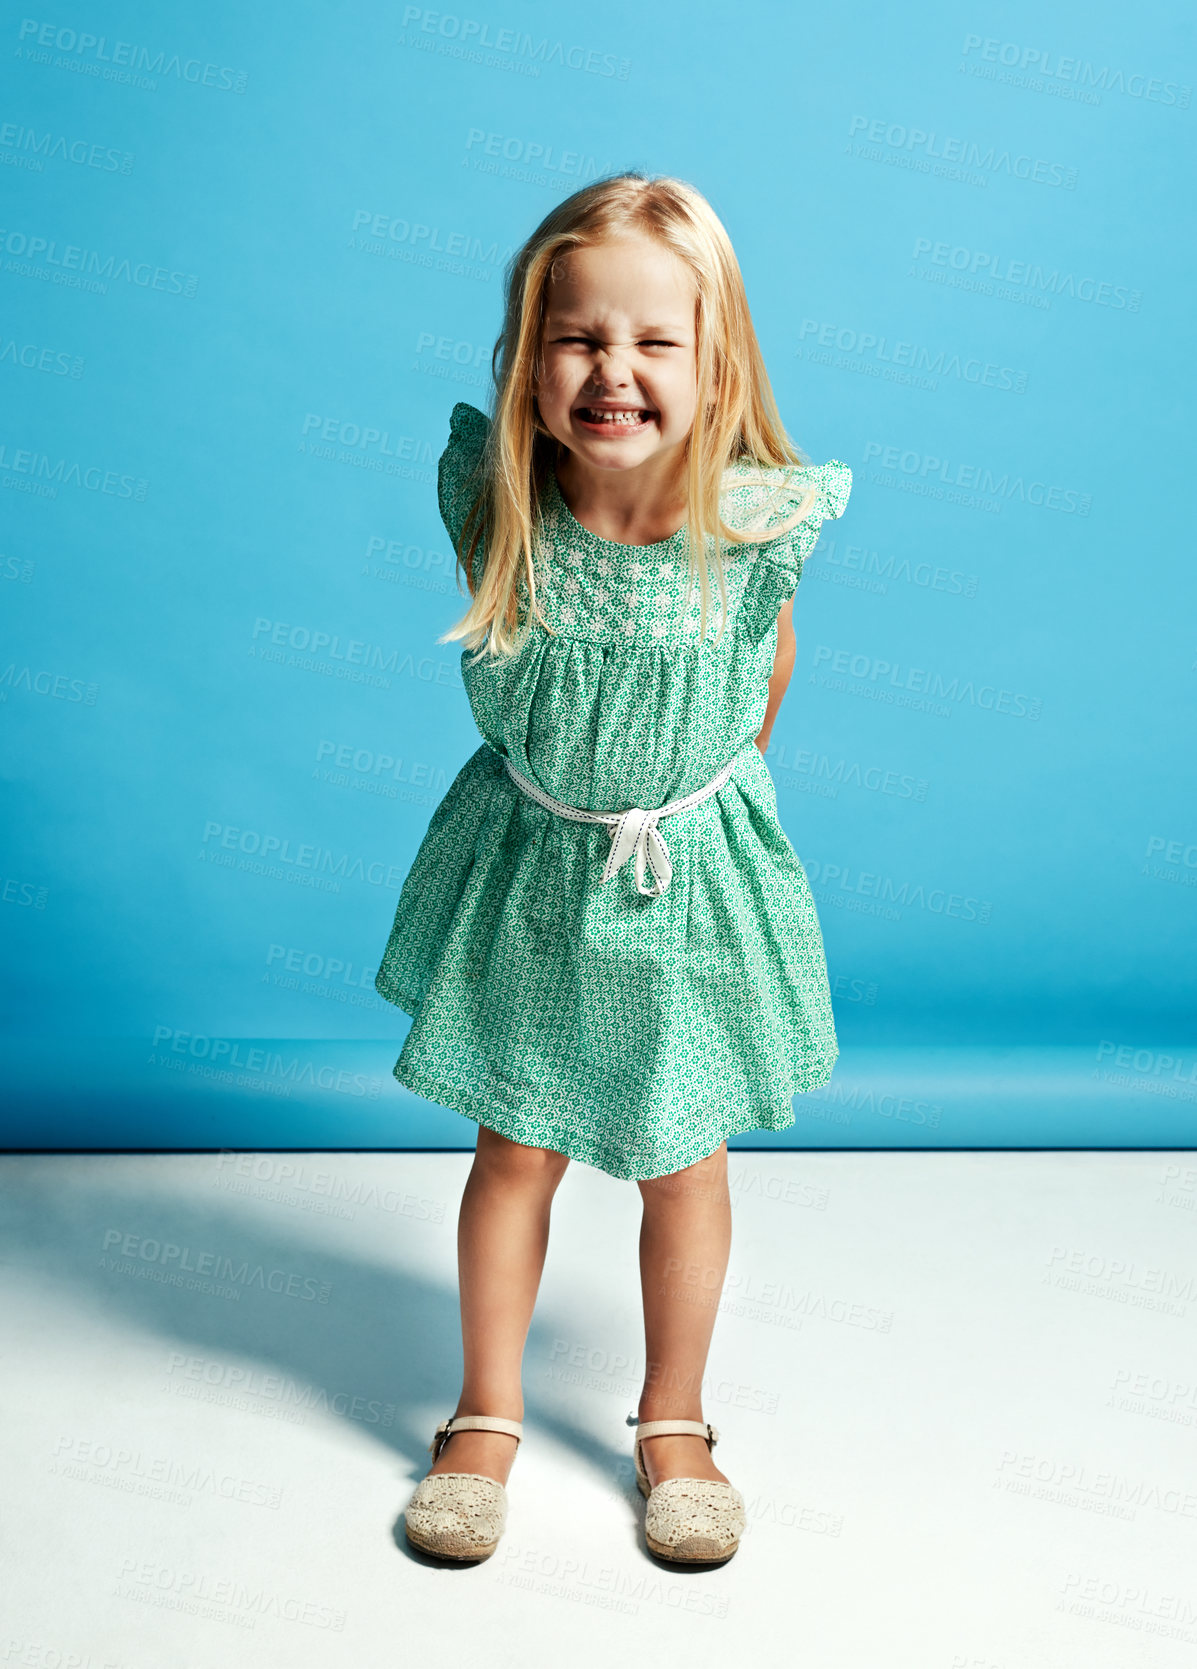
618,349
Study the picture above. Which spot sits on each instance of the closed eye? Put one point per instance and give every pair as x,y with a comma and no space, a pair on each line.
592,341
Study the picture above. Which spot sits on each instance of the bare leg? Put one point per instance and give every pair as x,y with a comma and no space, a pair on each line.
685,1239
502,1237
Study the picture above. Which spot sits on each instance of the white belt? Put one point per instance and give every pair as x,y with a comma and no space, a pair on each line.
632,831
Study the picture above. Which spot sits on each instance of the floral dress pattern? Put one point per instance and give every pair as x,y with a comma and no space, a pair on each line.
632,1033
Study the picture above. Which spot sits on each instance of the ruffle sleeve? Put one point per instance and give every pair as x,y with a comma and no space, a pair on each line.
832,483
774,495
456,476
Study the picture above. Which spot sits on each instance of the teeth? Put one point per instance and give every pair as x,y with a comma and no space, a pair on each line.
613,416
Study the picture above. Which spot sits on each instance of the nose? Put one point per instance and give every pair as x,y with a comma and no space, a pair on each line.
609,367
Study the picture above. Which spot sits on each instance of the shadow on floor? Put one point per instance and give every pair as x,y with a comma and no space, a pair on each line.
385,1341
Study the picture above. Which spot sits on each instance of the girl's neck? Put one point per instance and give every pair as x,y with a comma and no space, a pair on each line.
641,506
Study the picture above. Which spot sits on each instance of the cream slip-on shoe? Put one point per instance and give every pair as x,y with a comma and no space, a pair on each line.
693,1521
459,1515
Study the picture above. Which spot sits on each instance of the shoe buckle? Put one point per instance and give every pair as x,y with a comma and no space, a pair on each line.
440,1437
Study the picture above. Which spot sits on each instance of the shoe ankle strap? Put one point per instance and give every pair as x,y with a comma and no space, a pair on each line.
474,1422
681,1428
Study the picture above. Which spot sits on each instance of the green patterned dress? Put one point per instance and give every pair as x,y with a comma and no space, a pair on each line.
633,1033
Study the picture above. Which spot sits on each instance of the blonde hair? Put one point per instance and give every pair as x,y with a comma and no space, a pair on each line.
736,418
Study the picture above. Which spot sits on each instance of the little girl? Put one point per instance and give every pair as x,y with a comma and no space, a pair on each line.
606,942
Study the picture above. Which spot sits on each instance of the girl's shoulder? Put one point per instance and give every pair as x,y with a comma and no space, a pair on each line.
466,424
457,477
789,497
790,502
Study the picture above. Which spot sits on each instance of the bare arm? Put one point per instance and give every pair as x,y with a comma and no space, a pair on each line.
783,666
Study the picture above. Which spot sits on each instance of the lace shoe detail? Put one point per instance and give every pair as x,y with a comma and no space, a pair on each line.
456,1515
694,1519
459,1515
688,1520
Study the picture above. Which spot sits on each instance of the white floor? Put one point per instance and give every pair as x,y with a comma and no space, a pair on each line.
958,1391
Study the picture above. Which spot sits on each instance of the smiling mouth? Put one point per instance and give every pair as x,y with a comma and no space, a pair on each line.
600,417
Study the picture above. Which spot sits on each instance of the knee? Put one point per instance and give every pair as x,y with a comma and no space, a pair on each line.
516,1163
706,1179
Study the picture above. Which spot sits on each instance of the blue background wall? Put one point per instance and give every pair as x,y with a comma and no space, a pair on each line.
250,259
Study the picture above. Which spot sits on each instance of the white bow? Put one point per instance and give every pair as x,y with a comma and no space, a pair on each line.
632,831
636,831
